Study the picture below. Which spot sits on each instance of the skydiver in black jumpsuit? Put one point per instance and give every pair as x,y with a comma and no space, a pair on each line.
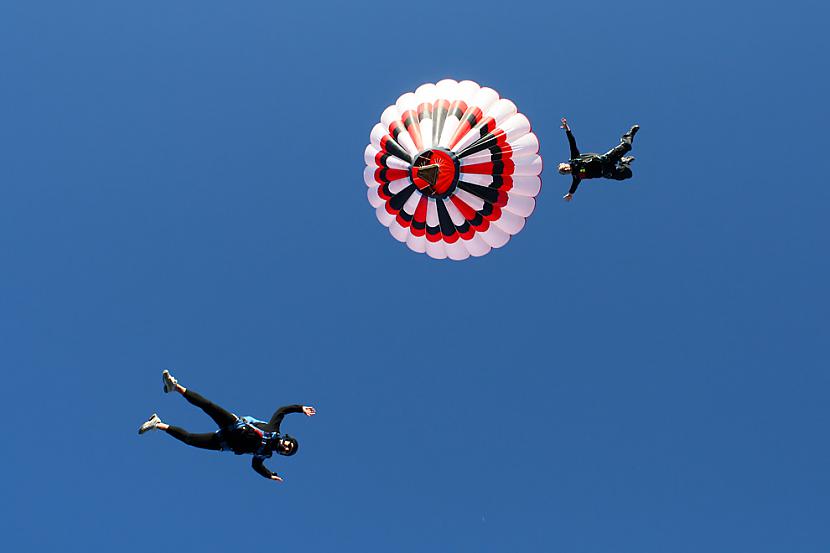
240,435
613,164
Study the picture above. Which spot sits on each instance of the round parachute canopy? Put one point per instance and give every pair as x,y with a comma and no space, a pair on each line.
453,169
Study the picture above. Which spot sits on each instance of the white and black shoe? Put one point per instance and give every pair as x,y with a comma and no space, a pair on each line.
151,424
626,160
170,383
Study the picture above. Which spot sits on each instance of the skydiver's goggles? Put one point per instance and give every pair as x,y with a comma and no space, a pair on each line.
287,445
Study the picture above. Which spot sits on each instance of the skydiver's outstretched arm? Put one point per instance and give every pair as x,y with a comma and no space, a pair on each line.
258,464
571,139
574,185
279,414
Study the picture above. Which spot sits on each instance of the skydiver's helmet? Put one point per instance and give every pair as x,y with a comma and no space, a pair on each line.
564,168
287,446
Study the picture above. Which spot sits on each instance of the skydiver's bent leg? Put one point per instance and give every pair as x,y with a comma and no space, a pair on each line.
222,418
617,152
202,441
620,172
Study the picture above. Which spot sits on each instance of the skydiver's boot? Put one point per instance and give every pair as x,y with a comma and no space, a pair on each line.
629,136
151,424
627,160
170,383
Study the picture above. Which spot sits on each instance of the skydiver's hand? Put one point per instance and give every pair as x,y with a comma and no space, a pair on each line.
565,124
276,477
309,410
568,197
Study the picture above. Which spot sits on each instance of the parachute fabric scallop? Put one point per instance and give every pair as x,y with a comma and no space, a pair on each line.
453,169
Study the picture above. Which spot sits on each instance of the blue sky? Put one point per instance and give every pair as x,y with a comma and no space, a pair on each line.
642,370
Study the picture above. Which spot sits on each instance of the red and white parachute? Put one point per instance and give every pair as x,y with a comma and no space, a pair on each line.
453,170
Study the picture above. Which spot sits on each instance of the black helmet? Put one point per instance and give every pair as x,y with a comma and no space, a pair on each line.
294,445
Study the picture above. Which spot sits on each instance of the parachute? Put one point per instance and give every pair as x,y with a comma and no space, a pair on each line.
453,169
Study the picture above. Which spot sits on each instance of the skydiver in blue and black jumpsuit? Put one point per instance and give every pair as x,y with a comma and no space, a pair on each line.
613,164
241,435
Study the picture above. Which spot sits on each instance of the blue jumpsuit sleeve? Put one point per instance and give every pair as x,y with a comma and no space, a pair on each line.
258,464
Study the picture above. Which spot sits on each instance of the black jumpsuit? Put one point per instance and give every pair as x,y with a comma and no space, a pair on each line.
594,166
237,440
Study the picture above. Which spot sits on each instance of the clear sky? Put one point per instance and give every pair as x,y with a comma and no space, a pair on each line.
641,370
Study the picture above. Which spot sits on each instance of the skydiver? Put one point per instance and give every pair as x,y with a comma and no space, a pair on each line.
238,434
613,164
